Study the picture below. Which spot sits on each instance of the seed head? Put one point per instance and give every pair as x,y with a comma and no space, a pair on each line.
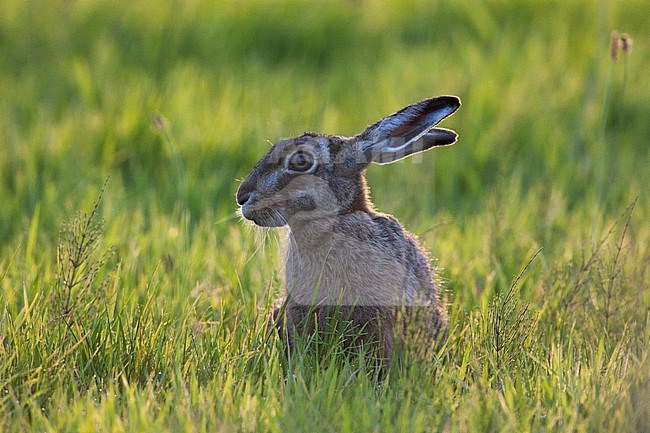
626,43
614,46
619,43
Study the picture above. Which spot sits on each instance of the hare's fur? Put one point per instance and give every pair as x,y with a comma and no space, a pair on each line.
343,258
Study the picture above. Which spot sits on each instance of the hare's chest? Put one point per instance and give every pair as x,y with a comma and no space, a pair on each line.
340,271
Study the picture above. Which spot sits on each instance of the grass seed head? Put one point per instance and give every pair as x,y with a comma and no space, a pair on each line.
619,43
626,43
614,46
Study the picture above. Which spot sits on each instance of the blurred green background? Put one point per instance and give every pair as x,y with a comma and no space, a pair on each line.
80,82
176,100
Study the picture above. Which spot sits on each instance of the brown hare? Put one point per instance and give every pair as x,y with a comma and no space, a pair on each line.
344,259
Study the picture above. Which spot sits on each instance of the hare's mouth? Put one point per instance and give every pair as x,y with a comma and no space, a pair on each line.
263,217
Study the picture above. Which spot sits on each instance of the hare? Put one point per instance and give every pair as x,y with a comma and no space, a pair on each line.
344,260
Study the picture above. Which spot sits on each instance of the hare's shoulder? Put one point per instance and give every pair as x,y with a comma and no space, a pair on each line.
384,232
408,245
374,229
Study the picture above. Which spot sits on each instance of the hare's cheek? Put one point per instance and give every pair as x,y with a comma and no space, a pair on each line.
301,203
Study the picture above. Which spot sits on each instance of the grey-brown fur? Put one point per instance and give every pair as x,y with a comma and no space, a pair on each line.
343,257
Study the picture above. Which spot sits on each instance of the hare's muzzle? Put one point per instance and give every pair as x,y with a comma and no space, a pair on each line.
242,197
245,191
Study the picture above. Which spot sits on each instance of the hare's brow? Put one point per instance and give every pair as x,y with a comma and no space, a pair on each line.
305,138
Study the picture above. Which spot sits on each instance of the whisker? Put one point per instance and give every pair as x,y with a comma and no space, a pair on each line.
259,246
229,217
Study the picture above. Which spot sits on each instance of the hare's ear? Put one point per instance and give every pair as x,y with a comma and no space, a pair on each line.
409,130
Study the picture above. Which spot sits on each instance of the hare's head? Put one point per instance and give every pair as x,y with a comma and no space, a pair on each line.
314,175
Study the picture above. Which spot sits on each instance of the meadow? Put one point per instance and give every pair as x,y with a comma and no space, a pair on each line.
134,299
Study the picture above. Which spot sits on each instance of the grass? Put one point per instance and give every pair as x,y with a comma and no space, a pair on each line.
147,310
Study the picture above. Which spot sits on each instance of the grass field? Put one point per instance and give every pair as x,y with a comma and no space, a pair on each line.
148,311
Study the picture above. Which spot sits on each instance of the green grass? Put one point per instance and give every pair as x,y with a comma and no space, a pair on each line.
162,326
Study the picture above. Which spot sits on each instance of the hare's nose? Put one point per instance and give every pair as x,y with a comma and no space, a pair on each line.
245,190
242,197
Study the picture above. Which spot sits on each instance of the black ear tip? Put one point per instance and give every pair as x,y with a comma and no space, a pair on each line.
451,101
440,137
447,103
451,138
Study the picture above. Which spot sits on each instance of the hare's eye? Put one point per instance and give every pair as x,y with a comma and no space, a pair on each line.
301,161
